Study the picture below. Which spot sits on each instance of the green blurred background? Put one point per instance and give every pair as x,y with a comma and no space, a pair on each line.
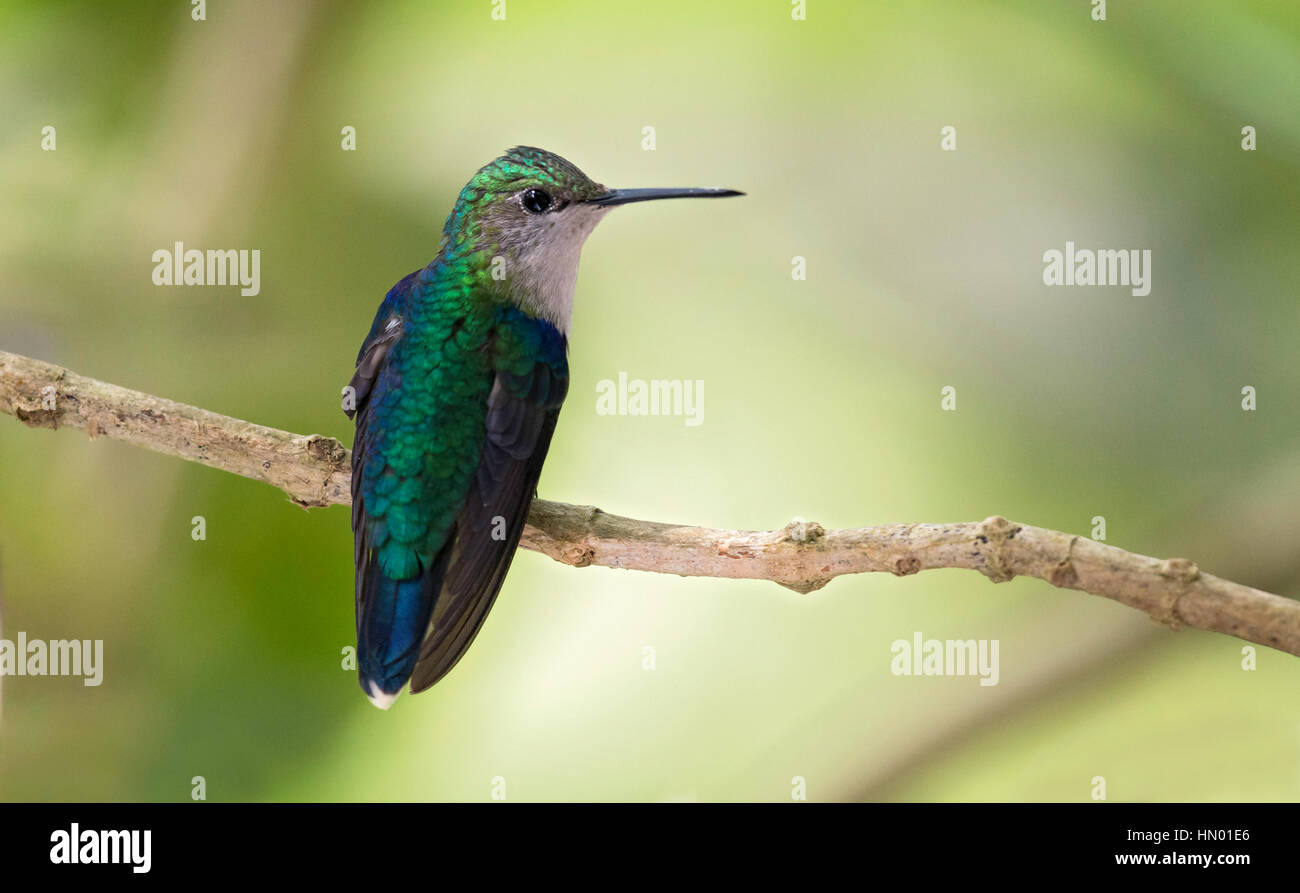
822,396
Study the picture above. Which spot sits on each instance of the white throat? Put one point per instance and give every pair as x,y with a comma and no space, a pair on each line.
545,257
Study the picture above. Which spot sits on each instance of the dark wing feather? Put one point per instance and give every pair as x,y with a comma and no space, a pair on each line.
385,331
522,411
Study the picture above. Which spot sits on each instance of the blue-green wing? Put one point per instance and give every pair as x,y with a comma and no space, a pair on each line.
529,386
399,551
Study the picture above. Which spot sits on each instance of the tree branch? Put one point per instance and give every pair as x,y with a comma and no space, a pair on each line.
315,471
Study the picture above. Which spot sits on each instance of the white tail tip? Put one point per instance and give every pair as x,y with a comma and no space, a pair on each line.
381,699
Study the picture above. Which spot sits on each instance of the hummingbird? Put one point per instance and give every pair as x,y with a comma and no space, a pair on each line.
456,394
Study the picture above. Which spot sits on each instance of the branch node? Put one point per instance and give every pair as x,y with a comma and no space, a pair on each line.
803,587
38,418
327,449
578,556
1064,575
1183,573
803,532
1180,570
994,532
905,565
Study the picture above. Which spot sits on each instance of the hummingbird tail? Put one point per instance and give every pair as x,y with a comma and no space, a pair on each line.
391,627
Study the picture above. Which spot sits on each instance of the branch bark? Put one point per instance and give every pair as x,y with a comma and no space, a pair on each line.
803,556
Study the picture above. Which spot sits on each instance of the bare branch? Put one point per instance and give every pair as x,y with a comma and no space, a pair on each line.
314,471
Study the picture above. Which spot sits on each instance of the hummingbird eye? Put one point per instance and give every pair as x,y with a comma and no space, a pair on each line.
536,201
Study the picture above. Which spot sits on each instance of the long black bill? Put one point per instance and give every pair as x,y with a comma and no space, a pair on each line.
627,196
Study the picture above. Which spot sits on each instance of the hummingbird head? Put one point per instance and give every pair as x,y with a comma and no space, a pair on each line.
529,213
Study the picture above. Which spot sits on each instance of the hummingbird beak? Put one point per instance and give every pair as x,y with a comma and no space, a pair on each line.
627,196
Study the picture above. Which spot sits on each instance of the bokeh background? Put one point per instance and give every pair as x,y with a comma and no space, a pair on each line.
822,397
